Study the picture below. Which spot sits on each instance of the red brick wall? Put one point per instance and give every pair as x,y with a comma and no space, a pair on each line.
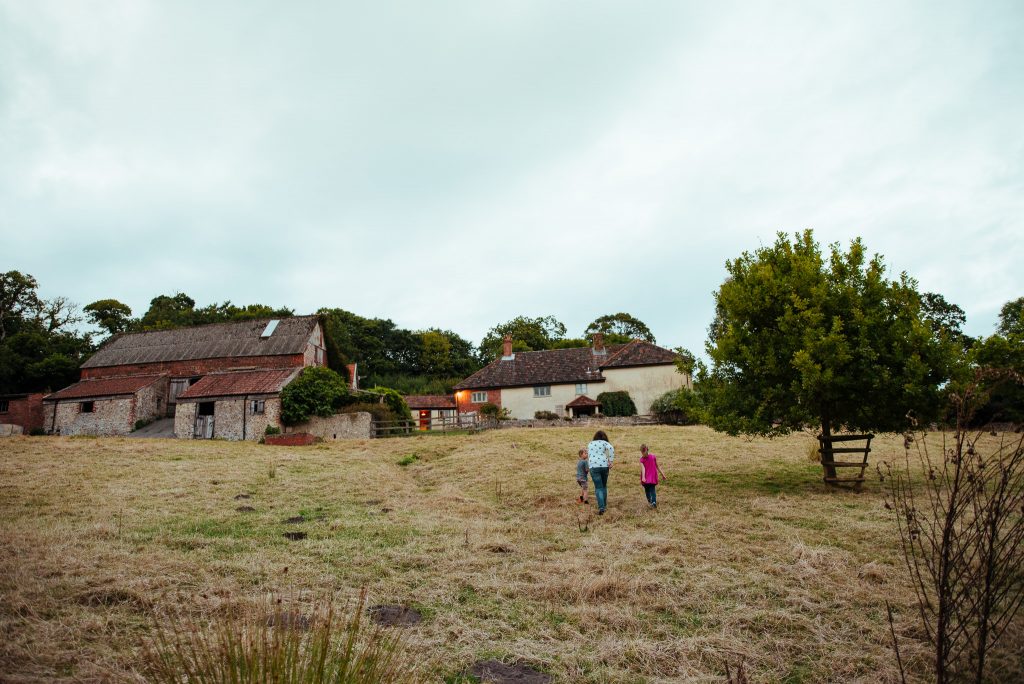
196,367
26,412
463,399
293,439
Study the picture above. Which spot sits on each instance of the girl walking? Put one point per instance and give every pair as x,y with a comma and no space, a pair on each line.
649,472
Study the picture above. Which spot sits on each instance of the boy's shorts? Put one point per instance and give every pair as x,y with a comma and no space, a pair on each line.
581,483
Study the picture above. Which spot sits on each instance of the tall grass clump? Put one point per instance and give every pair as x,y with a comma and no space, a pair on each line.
278,645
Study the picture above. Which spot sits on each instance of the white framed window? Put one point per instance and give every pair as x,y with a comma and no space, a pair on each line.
581,388
257,406
542,390
478,397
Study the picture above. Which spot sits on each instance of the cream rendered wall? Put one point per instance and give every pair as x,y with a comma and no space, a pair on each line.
644,383
522,404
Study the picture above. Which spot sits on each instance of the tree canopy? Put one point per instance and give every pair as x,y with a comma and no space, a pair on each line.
1003,352
40,349
110,315
804,339
528,334
620,328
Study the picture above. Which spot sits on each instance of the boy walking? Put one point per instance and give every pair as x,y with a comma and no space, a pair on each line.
582,469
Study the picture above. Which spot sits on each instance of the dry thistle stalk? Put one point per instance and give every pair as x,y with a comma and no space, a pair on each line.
960,519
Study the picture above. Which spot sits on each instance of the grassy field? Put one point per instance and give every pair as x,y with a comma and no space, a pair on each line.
748,557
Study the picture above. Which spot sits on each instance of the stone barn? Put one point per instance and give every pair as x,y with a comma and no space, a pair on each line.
237,405
139,377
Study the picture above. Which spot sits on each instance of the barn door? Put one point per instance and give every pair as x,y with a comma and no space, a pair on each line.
204,427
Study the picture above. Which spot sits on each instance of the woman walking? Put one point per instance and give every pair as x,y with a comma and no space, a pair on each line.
600,458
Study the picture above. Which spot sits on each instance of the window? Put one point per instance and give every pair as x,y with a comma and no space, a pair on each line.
581,388
257,406
206,408
5,406
478,397
88,407
542,391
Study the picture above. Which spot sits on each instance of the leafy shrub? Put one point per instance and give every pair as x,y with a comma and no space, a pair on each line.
678,407
616,404
142,422
380,412
393,400
545,415
272,430
408,460
316,392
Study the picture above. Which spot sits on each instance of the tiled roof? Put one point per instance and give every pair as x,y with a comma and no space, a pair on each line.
557,366
104,387
639,353
220,340
582,400
240,383
429,401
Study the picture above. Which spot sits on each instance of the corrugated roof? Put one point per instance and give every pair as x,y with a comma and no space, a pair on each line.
240,383
104,387
558,366
429,401
219,340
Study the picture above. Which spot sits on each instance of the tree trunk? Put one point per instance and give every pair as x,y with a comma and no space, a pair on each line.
827,458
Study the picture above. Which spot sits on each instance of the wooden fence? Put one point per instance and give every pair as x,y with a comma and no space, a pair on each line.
401,428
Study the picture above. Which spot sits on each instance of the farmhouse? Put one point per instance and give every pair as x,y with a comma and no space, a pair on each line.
223,379
567,381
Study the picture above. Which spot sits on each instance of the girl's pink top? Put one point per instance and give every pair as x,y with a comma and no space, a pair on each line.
650,463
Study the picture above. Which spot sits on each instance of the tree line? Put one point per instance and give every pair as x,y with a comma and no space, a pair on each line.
42,344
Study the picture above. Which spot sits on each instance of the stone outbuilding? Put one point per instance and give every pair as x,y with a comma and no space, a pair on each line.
237,405
428,410
21,413
138,377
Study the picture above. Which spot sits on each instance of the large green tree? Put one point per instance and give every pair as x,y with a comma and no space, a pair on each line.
528,334
802,339
620,328
110,315
39,347
1003,353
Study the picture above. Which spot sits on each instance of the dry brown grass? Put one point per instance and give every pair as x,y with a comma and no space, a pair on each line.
748,558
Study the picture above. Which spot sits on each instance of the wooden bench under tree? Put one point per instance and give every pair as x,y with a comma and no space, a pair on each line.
849,456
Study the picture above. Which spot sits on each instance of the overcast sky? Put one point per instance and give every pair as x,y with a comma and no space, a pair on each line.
458,164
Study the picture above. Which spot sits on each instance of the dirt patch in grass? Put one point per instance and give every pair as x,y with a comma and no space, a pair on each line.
496,672
290,620
294,536
394,615
295,519
245,509
112,597
239,497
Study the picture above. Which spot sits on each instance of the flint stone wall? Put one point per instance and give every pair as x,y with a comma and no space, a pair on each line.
339,426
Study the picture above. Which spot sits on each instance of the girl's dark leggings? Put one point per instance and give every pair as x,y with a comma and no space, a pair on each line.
652,497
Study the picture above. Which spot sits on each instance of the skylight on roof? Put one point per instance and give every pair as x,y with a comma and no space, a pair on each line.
269,330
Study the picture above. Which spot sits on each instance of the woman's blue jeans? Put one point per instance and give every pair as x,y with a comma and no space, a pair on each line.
600,478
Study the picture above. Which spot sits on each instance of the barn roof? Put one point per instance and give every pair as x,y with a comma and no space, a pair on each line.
557,366
104,387
219,340
240,383
429,401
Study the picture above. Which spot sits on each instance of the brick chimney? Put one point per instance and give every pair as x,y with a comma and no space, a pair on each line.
599,348
506,353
